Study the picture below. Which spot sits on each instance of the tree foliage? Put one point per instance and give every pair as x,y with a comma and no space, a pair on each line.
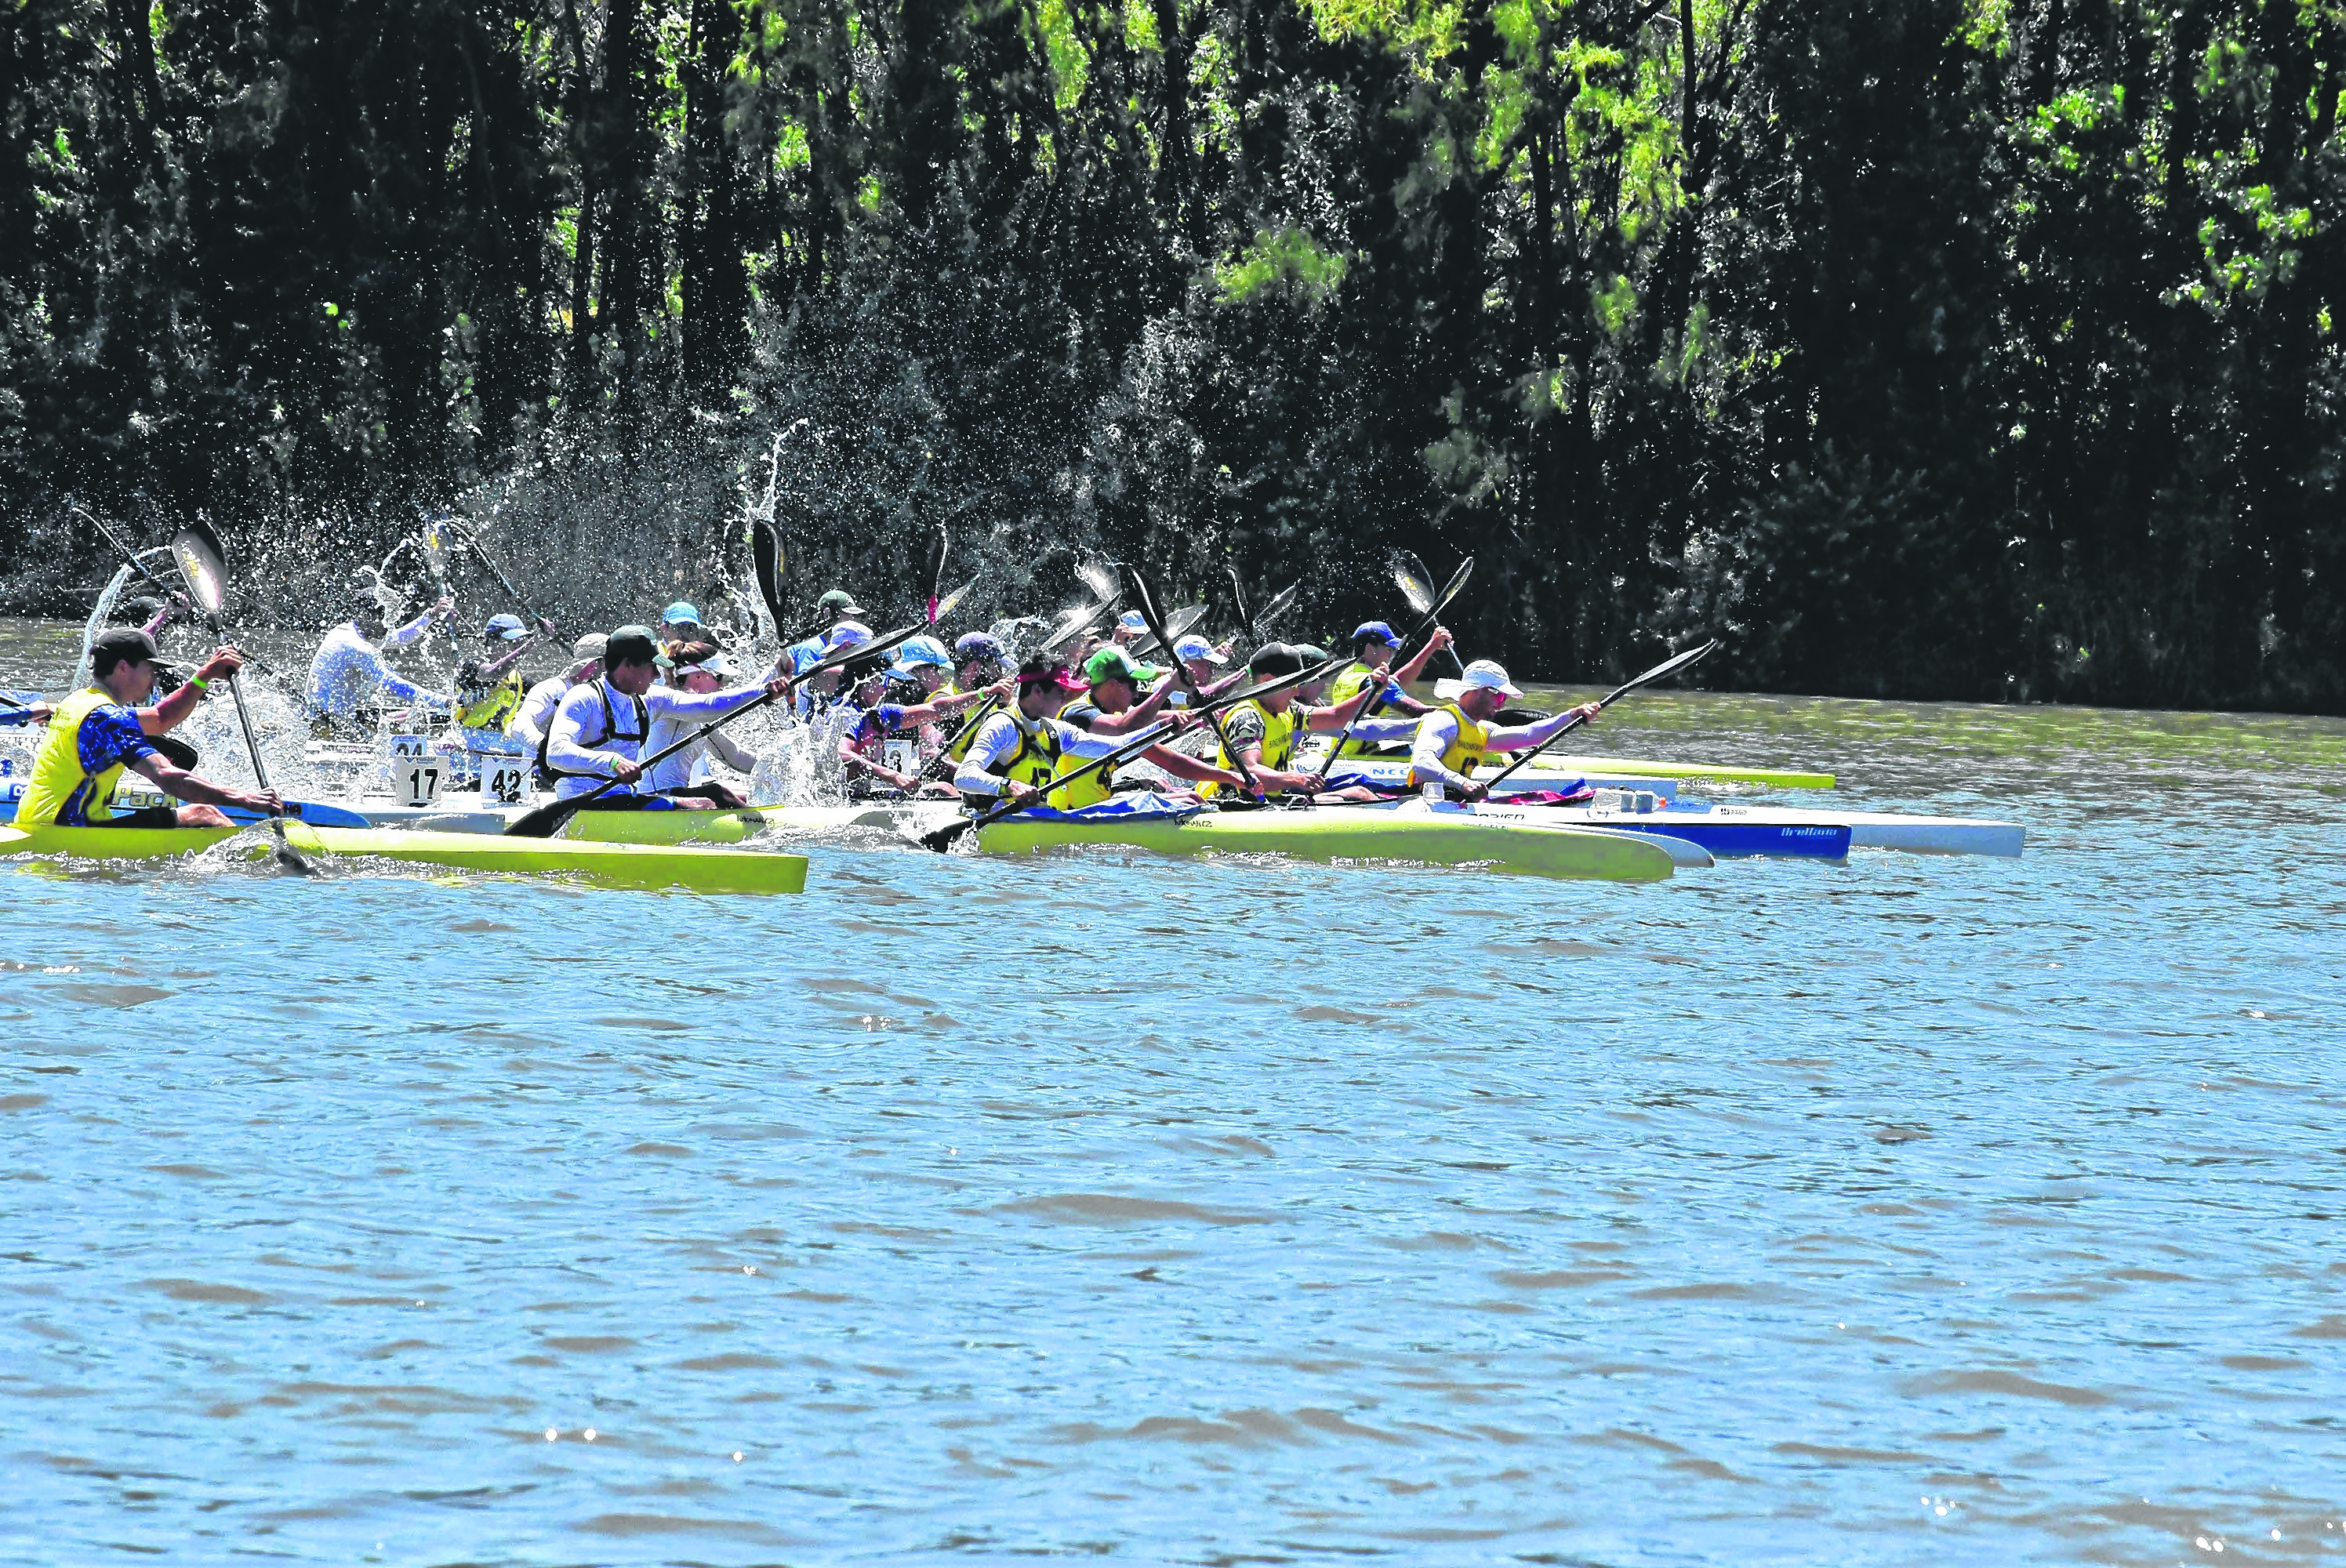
1945,348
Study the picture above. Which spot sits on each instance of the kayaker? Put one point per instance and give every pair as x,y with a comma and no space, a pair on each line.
981,666
603,727
536,710
680,626
837,604
1374,647
1263,730
1205,665
348,676
489,689
870,721
1135,712
1016,752
828,689
1115,707
698,670
104,728
1453,739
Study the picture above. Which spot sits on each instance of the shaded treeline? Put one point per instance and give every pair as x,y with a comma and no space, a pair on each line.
1916,347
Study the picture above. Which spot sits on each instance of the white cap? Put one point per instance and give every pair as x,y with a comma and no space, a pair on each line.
1489,675
1195,647
847,635
1133,621
719,665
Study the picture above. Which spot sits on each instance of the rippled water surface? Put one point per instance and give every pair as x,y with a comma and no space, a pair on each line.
1909,1211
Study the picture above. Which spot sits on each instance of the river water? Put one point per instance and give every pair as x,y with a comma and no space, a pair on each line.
1911,1211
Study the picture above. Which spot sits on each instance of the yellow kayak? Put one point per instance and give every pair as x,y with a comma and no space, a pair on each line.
701,869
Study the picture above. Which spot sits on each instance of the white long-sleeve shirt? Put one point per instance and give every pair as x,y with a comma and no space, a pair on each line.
348,672
998,738
677,772
1438,732
536,710
598,727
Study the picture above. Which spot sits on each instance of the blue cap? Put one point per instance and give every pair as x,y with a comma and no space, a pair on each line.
980,644
1377,629
680,614
1133,621
505,628
914,652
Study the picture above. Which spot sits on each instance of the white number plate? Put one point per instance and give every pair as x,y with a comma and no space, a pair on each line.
409,745
501,783
419,782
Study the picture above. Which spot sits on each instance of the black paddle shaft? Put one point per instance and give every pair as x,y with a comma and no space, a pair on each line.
1662,671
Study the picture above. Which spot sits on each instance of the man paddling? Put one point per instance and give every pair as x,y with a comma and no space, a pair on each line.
601,728
102,730
348,676
489,689
1453,739
837,604
1113,708
1264,730
1374,647
1015,753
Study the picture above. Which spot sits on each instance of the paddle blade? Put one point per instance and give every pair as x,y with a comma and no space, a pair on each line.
1662,671
196,550
542,821
1238,600
1409,576
939,609
1179,625
1098,576
1075,621
1144,598
1272,612
936,579
944,838
766,552
435,549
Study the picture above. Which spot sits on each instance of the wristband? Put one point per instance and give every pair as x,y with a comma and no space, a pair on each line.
199,683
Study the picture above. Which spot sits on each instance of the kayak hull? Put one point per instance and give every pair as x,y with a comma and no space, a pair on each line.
1611,772
698,867
1331,833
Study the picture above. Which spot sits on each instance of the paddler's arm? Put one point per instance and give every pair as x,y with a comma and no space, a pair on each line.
1139,716
1527,735
1343,712
1183,766
996,736
953,702
420,624
173,710
1407,674
182,785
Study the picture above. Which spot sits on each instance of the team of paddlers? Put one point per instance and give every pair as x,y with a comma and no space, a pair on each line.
916,719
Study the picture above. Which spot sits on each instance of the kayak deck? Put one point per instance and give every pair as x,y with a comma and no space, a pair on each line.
700,869
1329,833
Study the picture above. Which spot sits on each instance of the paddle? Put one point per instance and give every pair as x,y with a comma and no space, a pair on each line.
1074,622
770,561
544,821
1180,624
196,550
1272,614
1662,671
1238,597
941,839
1427,617
1145,597
471,538
1409,575
937,570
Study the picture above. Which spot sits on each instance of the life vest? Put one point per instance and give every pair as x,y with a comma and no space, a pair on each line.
1036,758
59,790
489,705
1279,736
960,728
548,772
1356,675
1466,753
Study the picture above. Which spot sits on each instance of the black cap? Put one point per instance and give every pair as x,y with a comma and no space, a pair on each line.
124,645
1274,659
630,645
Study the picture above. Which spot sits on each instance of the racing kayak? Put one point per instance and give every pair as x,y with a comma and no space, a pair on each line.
700,869
1405,831
1548,770
1733,833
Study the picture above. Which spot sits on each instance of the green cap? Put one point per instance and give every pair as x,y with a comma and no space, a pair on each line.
631,645
1112,663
